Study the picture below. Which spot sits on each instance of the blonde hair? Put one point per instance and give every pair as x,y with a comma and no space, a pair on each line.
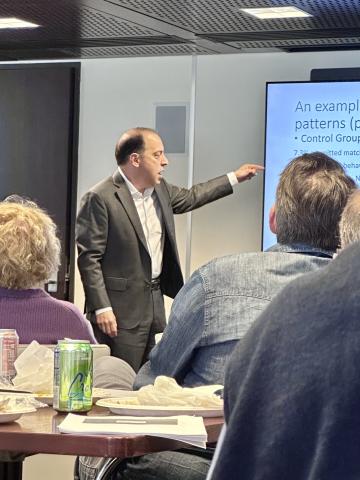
29,247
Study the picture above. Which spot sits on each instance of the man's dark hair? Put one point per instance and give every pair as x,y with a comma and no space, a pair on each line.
130,142
311,195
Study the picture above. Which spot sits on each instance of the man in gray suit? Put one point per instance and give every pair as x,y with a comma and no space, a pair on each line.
126,241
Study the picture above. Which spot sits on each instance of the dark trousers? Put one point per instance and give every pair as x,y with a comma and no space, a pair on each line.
135,344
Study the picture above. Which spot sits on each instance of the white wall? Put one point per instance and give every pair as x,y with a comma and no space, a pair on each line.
117,94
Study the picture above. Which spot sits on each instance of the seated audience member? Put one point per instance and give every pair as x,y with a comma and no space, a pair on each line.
292,387
29,255
218,304
221,300
350,220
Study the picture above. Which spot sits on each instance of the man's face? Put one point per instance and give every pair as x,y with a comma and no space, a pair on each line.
152,161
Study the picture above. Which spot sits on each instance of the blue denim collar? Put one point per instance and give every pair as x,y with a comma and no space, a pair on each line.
301,248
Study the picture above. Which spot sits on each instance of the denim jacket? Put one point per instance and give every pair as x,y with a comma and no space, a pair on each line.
216,307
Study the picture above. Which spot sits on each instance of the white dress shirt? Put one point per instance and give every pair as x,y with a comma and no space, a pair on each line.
149,211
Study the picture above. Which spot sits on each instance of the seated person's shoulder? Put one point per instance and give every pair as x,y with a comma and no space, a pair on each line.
63,306
70,307
230,267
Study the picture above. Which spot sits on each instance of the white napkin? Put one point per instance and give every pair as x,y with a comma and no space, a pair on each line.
35,369
166,392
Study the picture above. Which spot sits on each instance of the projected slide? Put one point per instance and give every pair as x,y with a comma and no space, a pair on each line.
308,117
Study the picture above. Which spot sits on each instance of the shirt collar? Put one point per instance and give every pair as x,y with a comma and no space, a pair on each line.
300,248
133,190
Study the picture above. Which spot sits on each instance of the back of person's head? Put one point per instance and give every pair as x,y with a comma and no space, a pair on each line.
350,221
29,247
311,195
132,141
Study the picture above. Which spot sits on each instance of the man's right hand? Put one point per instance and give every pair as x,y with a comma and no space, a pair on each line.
107,323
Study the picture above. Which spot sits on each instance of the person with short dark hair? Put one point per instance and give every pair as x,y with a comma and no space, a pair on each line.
311,195
133,142
127,247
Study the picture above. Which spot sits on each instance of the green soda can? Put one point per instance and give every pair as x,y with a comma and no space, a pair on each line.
73,376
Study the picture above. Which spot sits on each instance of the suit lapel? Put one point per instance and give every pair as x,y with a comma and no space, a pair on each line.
166,212
127,202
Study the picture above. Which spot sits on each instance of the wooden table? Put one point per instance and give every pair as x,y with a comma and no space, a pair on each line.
37,433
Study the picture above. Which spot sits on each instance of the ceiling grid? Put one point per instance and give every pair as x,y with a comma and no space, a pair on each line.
123,28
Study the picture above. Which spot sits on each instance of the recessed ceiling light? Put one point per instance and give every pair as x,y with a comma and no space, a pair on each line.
13,22
276,12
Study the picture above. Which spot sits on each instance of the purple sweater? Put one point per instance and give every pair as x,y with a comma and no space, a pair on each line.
36,315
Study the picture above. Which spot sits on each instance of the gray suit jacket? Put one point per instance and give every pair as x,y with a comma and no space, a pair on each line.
114,262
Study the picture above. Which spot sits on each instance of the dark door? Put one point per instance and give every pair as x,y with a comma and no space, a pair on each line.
39,107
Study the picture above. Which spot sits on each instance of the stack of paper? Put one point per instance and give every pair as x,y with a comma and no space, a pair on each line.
184,428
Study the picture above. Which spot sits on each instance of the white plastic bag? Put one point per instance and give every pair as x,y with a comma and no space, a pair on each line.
35,369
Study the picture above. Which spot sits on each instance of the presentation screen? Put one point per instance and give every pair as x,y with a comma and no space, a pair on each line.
304,117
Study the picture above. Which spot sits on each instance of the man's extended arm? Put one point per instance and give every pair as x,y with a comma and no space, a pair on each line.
172,356
184,200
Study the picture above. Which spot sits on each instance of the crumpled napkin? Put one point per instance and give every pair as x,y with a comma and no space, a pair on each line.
166,392
35,369
13,403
